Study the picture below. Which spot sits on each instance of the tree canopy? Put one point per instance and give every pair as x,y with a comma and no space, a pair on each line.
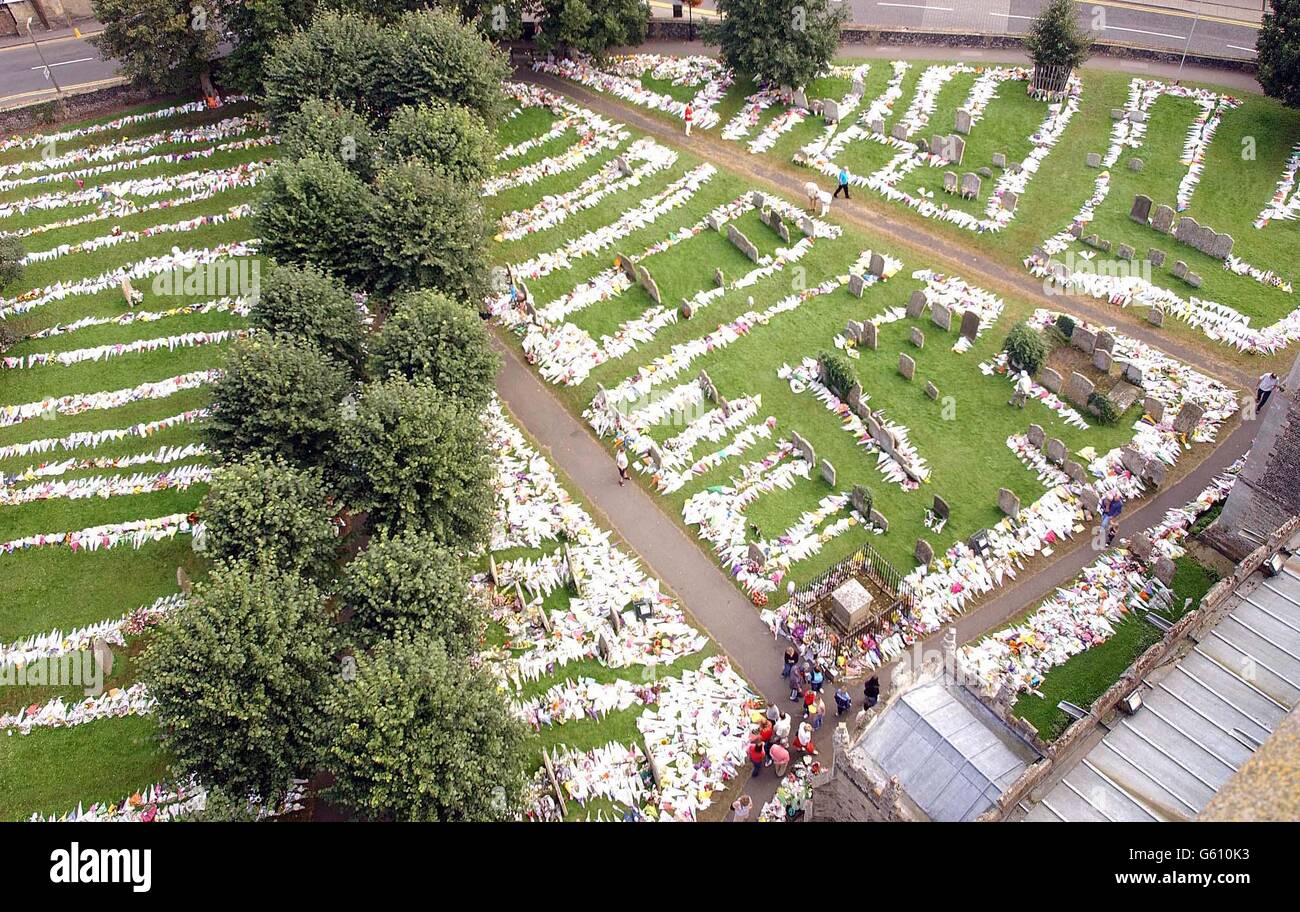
1279,52
781,42
451,140
309,305
430,337
1055,38
591,26
165,45
331,129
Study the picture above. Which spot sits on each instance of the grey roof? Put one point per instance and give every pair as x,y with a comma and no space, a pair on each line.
952,756
1200,722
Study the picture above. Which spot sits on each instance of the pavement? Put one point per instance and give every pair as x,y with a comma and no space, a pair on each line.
1227,28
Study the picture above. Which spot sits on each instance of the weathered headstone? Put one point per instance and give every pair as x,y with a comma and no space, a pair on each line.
1090,499
915,304
1141,546
1037,436
1141,211
898,131
1010,199
1092,160
1105,341
906,366
831,111
860,499
941,507
1156,472
1135,164
1222,247
1194,279
1163,220
918,337
1050,379
1156,257
941,316
800,99
756,555
1101,359
970,185
876,265
1165,570
648,283
783,231
806,226
1180,270
868,337
856,285
855,395
686,309
1008,502
628,265
744,244
1080,389
1155,408
950,181
1188,417
1076,472
999,159
828,472
1085,340
624,168
1125,252
877,125
1057,452
970,324
931,390
963,121
924,552
878,520
719,279
1187,229
1133,373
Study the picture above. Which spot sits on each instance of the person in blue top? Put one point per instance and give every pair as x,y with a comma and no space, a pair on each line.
1110,510
844,183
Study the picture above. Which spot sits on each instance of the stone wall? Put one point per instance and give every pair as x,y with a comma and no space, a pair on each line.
79,107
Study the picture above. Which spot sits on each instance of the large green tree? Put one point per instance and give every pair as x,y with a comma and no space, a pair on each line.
166,45
239,673
331,129
1279,52
267,512
308,304
253,27
430,337
277,397
406,584
782,42
1056,39
416,459
426,231
452,140
591,26
316,211
415,735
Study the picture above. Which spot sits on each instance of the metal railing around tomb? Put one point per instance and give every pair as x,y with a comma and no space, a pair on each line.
865,563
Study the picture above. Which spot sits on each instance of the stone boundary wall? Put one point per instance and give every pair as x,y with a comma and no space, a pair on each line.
677,30
79,107
1192,625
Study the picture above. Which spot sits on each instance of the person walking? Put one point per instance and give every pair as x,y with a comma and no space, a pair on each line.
809,703
871,692
780,760
1267,384
820,707
817,679
689,117
620,460
843,702
765,732
844,182
1111,508
740,809
791,659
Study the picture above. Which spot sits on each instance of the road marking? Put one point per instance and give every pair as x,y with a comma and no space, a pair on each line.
65,62
922,6
5,100
1180,14
1012,16
1116,28
1237,47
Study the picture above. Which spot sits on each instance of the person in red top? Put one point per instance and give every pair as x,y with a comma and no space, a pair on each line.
764,736
757,755
689,116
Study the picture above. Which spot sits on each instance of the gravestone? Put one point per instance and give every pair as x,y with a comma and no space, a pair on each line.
1092,160
941,316
800,99
1155,316
954,149
1156,472
1204,239
853,330
521,602
648,283
856,285
1135,164
1090,499
1101,359
878,520
941,507
931,390
806,450
868,337
1141,211
1037,436
1008,502
918,337
906,366
1050,379
628,265
756,555
924,552
655,456
1141,546
1188,417
1117,113
1155,408
1194,279
898,131
719,279
855,395
686,310
828,472
1080,389
1180,270
1124,252
1156,257
970,324
876,265
915,304
1010,199
860,499
624,169
1085,340
1105,341
806,226
831,111
783,231
999,159
950,181
1057,452
1132,460
1076,472
744,244
1163,220
1165,570
963,121
1222,247
1187,230
493,574
877,126
970,185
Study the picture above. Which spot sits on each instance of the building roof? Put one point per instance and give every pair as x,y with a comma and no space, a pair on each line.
951,755
1202,720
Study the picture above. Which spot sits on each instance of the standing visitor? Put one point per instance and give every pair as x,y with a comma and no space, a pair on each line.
804,740
871,692
740,809
791,659
797,681
818,678
820,707
757,755
781,731
1111,507
1267,384
689,116
843,702
844,182
773,714
780,760
1024,386
814,193
620,460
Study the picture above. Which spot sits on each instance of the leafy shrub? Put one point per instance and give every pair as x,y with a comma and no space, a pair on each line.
1104,407
11,260
838,373
1025,348
1065,323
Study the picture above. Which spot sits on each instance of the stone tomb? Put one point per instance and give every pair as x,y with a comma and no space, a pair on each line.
850,605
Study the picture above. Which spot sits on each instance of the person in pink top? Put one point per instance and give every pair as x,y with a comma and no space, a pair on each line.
780,759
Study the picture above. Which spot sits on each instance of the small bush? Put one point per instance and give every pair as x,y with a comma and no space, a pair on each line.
1105,408
838,373
11,260
1025,348
1065,323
